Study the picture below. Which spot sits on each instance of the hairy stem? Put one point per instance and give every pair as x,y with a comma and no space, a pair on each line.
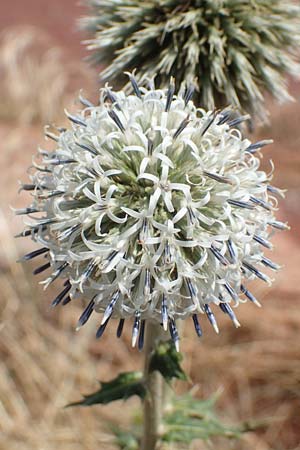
153,403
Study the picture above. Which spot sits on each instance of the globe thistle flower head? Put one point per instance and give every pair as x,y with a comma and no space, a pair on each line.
232,50
151,209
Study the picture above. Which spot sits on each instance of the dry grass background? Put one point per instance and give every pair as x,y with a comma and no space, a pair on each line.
44,364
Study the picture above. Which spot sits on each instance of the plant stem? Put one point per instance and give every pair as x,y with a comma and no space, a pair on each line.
153,403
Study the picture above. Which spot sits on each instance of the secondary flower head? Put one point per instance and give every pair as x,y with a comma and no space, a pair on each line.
152,209
232,50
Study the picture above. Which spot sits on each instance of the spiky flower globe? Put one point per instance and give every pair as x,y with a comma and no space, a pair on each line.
151,209
232,50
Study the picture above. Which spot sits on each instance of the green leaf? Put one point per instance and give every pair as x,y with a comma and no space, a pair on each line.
167,360
124,386
125,440
192,419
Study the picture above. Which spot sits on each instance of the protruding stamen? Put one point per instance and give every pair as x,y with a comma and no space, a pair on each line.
218,255
164,312
147,287
141,335
28,187
134,84
87,148
256,272
189,92
34,254
135,328
231,250
68,232
231,291
86,314
171,91
208,123
218,178
174,333
279,225
261,203
258,145
240,204
110,307
150,146
275,190
75,119
56,273
268,263
211,317
181,127
62,294
120,328
41,268
224,116
250,296
197,325
113,99
59,162
238,120
66,300
112,114
228,310
101,329
85,102
262,241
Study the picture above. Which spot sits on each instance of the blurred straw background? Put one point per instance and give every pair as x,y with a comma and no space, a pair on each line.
44,364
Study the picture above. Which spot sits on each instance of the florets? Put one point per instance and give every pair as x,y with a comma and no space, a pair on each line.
153,209
232,50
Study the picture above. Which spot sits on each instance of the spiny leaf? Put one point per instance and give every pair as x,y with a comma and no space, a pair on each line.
122,387
167,360
192,419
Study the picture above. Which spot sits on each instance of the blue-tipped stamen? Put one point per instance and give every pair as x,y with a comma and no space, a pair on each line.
171,91
41,268
255,271
120,328
61,295
174,333
181,127
211,317
240,204
188,95
141,335
262,241
86,314
101,329
261,203
197,325
135,328
228,310
231,250
258,145
109,309
218,255
164,312
113,115
268,263
250,296
34,254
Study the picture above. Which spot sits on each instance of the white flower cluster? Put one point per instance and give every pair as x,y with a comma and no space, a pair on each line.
152,208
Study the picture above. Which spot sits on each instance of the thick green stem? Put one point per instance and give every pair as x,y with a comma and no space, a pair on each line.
153,403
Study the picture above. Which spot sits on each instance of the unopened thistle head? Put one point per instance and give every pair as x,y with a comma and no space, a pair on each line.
152,209
232,50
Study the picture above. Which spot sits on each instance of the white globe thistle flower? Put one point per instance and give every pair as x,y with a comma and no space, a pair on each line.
153,209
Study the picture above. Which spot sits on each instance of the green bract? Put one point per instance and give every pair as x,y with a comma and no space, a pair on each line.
232,50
